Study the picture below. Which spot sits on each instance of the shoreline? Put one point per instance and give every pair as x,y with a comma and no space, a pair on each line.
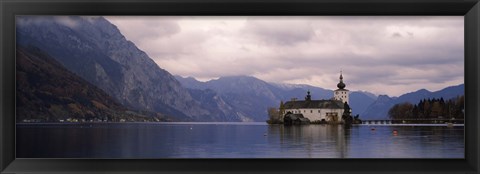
225,123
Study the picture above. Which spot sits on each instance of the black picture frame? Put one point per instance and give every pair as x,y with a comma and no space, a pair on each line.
470,9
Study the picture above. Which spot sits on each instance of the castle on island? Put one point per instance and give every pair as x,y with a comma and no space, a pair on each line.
327,111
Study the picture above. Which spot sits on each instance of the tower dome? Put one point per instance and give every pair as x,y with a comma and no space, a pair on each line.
341,85
308,97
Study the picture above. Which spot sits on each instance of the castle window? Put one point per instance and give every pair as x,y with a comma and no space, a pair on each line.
318,111
311,111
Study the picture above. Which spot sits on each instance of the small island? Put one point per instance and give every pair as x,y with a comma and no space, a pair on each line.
308,111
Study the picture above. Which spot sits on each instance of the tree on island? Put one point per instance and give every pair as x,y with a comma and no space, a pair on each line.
347,117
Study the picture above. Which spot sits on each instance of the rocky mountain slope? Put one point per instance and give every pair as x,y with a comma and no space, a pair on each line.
47,92
94,49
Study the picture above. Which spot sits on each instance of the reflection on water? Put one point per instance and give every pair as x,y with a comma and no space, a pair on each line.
311,141
236,140
331,141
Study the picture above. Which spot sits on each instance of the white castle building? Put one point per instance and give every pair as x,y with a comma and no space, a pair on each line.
320,110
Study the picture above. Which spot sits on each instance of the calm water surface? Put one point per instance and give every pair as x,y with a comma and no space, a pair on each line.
236,140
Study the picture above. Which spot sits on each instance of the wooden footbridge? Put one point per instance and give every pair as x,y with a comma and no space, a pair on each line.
414,121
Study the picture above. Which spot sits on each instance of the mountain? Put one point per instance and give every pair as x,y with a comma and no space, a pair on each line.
247,95
360,101
289,90
379,109
449,92
369,94
221,109
46,91
191,82
252,96
95,50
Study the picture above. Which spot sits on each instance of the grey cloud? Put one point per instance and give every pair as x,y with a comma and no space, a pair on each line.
279,32
410,34
313,49
40,20
145,28
396,34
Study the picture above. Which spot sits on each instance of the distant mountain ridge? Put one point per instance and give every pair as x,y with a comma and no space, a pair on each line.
247,95
364,103
379,109
249,90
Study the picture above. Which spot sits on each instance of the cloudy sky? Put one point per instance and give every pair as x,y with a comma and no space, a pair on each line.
383,55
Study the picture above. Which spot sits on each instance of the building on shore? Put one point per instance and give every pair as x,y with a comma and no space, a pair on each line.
326,110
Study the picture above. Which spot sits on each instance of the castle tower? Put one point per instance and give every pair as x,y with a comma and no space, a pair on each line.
341,93
308,97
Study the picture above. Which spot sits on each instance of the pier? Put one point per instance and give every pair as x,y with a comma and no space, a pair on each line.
414,121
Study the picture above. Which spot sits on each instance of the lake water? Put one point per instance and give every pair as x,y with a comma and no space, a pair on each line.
237,140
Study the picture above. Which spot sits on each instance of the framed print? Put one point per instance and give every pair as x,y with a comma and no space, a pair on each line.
240,86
